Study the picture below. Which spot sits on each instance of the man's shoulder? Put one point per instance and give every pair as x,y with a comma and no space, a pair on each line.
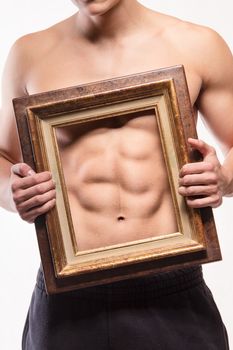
40,41
179,30
199,35
198,43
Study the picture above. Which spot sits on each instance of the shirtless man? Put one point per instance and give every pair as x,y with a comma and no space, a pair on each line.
106,39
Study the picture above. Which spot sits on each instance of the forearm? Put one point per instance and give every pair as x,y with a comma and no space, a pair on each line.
228,172
6,200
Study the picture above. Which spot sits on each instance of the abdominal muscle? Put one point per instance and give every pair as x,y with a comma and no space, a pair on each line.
116,181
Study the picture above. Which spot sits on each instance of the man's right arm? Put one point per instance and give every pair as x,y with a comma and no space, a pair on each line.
21,189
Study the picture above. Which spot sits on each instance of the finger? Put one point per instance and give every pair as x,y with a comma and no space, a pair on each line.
25,194
31,215
201,146
211,201
198,179
196,168
36,201
22,169
198,190
31,181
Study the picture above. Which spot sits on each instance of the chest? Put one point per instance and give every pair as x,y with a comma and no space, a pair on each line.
67,65
127,137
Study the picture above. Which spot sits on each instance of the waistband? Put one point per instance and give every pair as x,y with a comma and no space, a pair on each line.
160,284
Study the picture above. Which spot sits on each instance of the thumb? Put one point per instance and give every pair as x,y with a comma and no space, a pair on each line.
22,169
202,147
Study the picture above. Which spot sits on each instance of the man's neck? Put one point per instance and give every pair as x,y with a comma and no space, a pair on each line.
120,21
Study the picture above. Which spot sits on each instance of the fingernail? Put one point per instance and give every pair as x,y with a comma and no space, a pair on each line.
31,172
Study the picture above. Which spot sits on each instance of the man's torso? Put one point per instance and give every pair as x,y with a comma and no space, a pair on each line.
114,171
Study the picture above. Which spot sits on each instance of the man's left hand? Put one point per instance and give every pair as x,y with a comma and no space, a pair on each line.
203,183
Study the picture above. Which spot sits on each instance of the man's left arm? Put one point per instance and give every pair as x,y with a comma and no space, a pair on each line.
205,183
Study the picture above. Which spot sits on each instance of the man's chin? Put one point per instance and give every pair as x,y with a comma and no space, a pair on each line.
96,7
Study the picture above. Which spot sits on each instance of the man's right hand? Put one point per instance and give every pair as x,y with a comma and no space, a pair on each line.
33,193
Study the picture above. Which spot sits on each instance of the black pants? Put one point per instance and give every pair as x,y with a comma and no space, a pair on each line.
168,311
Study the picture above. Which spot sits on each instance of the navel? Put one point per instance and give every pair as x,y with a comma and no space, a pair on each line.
120,218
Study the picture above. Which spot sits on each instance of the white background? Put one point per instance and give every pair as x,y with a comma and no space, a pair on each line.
19,258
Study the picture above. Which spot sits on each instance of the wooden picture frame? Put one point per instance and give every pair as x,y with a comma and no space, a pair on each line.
165,92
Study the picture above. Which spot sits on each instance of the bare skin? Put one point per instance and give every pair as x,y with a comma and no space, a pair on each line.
106,39
116,179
